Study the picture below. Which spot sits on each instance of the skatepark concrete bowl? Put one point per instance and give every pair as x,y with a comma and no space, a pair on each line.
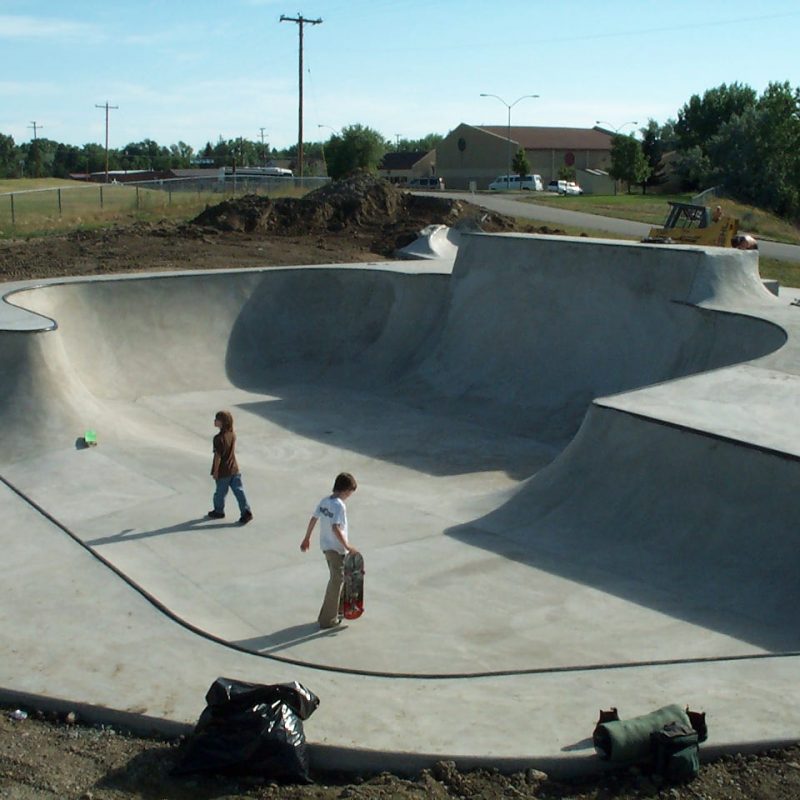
577,464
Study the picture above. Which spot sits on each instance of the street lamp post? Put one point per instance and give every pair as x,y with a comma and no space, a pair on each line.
322,146
509,106
612,128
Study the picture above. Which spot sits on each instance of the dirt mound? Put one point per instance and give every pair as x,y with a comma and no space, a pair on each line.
63,758
362,207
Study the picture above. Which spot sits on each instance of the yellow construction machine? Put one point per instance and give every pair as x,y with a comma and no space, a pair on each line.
687,223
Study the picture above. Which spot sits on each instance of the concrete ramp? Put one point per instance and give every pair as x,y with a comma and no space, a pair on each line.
543,325
577,464
433,242
698,528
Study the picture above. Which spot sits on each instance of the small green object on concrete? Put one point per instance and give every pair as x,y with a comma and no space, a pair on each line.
90,437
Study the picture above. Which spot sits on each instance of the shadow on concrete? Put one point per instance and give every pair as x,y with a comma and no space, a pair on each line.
385,429
435,372
691,566
190,526
287,637
583,744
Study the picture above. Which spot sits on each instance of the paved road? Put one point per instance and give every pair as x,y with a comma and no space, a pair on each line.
561,216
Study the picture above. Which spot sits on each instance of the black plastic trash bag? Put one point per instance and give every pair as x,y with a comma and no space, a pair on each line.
251,729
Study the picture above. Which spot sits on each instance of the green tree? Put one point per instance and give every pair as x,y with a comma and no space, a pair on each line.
653,149
8,156
67,160
181,155
693,167
146,154
224,152
701,118
240,152
422,145
93,158
755,156
357,148
34,159
520,165
628,162
313,157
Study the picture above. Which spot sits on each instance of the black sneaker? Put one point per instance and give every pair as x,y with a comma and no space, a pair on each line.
215,514
246,517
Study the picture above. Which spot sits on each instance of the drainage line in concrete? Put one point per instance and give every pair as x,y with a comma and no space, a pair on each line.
503,673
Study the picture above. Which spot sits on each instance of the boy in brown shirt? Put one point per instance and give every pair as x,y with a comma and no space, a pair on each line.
225,470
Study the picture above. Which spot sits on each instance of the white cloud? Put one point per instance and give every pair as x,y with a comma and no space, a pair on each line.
25,27
26,88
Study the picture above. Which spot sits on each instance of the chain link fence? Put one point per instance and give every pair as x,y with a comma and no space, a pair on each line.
87,203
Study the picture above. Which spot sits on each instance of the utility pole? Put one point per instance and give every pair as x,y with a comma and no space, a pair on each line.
300,20
263,151
36,159
106,106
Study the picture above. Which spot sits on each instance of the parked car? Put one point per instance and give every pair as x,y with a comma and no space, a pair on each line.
564,187
502,183
434,183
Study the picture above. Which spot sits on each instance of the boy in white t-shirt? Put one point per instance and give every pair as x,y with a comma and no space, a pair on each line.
333,541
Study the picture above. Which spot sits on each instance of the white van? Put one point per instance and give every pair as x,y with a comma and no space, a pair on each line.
502,183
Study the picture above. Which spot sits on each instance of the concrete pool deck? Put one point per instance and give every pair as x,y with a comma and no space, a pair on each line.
577,466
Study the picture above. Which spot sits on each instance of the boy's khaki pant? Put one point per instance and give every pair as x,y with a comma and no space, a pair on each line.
331,604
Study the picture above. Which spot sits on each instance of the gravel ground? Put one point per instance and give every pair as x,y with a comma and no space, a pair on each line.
42,757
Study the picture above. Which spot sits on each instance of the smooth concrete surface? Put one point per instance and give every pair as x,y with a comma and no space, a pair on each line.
577,466
433,242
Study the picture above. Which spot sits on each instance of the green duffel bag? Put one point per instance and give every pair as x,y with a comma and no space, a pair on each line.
676,753
628,740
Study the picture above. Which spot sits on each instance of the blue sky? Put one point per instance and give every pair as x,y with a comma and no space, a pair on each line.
194,70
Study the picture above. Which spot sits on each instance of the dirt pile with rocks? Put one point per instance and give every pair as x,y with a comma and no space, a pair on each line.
361,207
51,757
359,219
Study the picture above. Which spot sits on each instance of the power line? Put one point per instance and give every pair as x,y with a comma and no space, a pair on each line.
300,20
35,126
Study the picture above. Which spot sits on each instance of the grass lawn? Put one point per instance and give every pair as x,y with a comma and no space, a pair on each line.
26,184
787,273
35,207
652,209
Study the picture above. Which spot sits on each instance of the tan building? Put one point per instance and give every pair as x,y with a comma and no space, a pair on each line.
480,154
401,167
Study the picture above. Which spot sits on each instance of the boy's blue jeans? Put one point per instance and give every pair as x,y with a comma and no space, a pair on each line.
234,483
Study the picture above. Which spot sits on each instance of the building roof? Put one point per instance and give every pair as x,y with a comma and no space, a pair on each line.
537,138
402,160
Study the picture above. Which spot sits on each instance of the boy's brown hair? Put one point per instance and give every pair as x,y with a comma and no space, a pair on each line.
344,482
225,419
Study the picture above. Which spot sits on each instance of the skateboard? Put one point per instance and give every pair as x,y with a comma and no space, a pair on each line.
353,592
